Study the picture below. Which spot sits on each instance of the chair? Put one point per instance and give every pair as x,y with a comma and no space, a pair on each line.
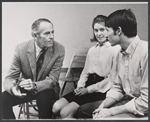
77,61
24,109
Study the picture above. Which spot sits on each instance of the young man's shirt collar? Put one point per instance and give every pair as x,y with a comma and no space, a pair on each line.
131,48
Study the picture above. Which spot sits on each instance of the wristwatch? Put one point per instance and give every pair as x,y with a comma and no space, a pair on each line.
34,91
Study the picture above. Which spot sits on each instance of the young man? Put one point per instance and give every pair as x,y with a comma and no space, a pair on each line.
129,95
34,72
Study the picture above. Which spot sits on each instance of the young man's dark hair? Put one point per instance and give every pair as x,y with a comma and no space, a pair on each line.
125,19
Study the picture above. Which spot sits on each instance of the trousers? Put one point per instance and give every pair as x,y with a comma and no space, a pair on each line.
86,110
44,100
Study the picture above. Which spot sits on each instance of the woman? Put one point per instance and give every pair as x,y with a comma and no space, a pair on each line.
96,77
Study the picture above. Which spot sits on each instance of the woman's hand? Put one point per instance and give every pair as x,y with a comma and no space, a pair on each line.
81,91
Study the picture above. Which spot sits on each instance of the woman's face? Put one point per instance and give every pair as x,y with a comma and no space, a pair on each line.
100,32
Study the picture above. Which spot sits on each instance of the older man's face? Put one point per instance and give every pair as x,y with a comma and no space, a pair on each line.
45,38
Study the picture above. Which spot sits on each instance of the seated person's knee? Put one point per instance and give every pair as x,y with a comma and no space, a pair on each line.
59,104
63,113
56,108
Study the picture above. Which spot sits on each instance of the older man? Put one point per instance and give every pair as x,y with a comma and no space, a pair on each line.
34,71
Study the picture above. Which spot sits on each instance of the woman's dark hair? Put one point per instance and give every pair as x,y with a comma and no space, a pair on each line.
97,19
125,19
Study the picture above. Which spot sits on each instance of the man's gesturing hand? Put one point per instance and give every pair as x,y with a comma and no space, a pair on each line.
16,92
27,84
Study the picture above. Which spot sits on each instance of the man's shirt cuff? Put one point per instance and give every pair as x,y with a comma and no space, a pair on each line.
130,106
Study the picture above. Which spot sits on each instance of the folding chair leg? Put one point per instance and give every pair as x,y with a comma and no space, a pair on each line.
24,111
65,82
27,110
20,111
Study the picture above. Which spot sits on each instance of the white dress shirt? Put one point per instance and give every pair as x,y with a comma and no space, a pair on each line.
132,77
38,50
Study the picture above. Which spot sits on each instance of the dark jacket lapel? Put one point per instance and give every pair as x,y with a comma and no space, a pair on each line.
47,58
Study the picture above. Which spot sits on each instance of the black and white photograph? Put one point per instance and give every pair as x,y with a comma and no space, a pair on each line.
74,61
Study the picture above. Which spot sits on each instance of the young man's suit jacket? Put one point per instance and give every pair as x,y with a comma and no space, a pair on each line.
24,62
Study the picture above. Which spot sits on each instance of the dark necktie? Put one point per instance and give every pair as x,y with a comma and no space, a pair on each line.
39,61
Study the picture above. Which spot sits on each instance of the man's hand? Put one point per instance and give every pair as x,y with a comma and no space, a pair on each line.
103,113
96,111
80,91
16,92
111,111
27,84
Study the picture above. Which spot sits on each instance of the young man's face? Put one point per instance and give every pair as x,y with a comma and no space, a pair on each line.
112,36
45,38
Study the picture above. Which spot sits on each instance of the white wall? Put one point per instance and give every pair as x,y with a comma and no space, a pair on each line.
72,23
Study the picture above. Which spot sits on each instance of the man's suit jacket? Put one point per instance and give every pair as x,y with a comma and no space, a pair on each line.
24,62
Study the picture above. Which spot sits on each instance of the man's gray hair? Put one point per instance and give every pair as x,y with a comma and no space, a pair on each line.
36,24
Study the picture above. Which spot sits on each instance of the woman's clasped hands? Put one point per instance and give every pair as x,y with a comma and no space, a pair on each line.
80,91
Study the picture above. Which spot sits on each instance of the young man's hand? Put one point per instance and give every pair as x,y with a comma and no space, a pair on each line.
96,111
103,114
